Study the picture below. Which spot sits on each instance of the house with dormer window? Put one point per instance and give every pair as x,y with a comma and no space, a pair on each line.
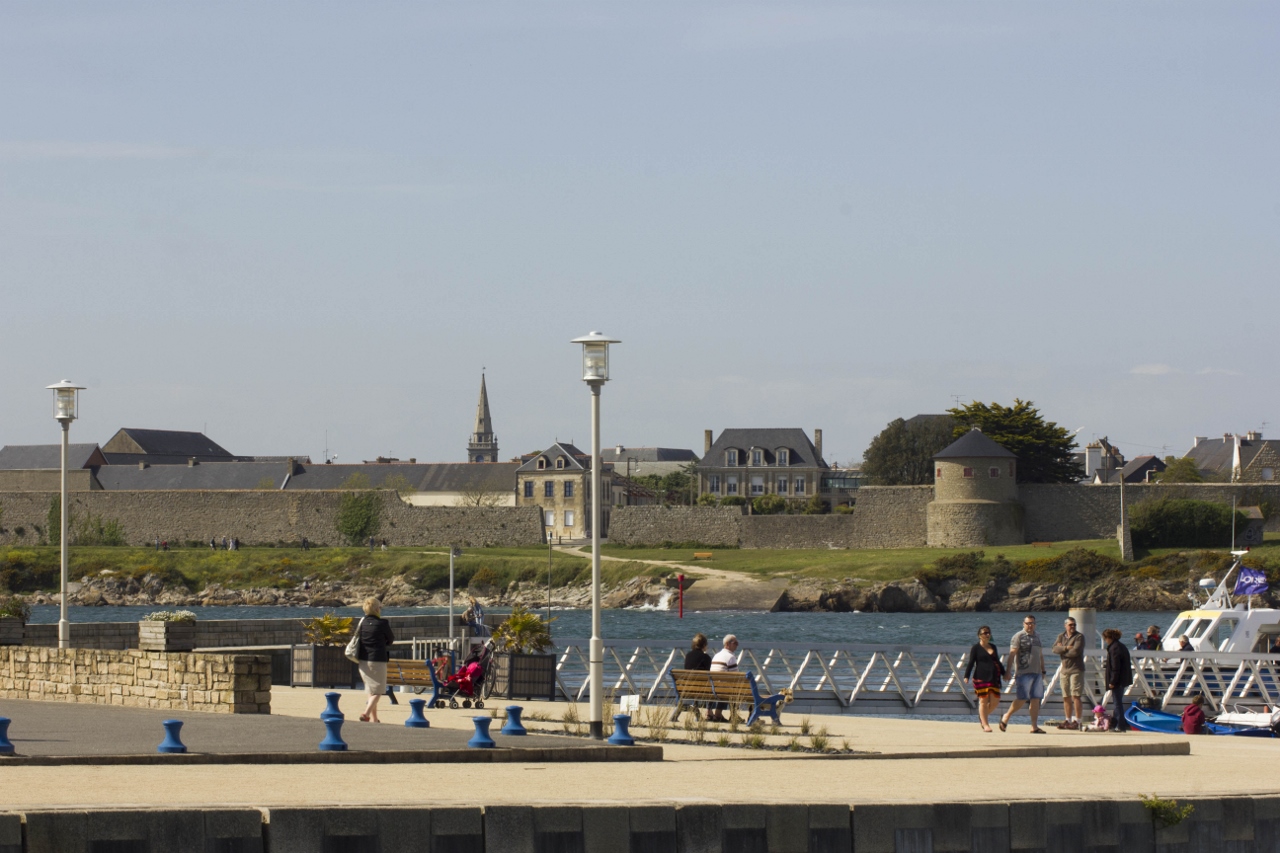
750,463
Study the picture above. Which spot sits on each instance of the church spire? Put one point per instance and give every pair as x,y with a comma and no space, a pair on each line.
483,446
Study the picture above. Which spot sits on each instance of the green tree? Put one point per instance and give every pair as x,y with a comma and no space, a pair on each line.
399,483
1173,523
1044,449
769,505
708,499
902,454
359,516
816,506
1180,470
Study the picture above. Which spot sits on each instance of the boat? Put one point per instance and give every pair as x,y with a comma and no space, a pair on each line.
1219,624
1162,722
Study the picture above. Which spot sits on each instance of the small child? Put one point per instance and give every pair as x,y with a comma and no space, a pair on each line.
1101,720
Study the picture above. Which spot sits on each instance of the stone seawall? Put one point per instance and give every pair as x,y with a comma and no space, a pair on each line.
224,684
261,517
654,525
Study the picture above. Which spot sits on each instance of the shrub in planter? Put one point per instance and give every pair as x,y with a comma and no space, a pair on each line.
167,631
521,669
14,613
322,660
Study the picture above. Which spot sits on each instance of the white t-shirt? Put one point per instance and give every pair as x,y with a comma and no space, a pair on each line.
724,661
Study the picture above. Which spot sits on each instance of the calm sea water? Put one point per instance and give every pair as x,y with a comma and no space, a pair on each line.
750,626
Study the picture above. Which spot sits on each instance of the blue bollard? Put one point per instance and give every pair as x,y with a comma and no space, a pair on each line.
331,709
172,741
416,719
513,726
481,739
620,736
6,746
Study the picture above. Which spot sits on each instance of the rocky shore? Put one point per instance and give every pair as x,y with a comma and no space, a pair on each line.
904,596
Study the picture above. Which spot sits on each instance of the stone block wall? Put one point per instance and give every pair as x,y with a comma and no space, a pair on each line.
259,517
653,525
966,524
891,516
224,684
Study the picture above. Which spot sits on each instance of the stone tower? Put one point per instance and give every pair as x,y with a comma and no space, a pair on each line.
975,495
483,446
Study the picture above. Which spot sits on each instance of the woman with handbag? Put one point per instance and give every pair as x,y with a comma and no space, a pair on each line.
373,639
986,669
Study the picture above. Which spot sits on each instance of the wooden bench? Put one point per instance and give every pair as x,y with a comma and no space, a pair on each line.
414,673
702,555
1041,544
739,688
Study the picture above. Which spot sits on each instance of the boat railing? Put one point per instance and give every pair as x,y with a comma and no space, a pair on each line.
915,679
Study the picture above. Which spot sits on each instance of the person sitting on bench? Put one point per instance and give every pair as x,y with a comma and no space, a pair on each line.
726,660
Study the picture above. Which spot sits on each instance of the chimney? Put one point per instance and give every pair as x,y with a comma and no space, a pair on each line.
817,443
191,462
1253,435
142,466
706,442
1198,440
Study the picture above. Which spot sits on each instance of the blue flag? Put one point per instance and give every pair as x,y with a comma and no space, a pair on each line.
1250,582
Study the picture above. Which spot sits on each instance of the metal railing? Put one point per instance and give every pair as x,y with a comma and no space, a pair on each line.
870,679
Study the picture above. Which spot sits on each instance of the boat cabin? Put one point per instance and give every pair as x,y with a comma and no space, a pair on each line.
1235,630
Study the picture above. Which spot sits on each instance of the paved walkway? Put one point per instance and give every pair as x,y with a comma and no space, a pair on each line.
1216,766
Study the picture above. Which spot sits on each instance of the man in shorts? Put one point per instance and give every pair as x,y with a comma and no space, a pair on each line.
1026,659
1070,647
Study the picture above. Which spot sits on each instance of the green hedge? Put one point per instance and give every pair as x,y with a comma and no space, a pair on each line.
1174,523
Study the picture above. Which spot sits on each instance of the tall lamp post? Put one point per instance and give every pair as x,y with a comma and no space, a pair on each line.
595,372
65,410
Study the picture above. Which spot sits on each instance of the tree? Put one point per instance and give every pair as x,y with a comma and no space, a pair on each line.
1045,450
769,505
902,454
399,483
708,499
1172,523
1180,470
488,493
357,480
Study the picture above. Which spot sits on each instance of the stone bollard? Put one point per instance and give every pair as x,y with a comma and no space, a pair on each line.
620,736
6,746
513,726
172,742
481,739
416,719
333,720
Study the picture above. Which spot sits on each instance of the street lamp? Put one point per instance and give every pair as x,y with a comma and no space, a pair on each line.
595,372
65,410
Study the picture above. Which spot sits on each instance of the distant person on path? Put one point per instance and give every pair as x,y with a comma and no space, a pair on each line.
726,660
697,658
986,669
157,543
474,618
1119,675
1026,653
1070,647
372,656
213,544
1193,718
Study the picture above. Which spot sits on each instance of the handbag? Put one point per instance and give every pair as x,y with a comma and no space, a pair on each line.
353,645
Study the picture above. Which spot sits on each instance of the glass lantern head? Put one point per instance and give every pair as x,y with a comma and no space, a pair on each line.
595,357
66,400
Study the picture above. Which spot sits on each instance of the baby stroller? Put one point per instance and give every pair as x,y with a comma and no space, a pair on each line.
469,685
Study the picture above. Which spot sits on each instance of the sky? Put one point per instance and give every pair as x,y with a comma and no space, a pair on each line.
300,226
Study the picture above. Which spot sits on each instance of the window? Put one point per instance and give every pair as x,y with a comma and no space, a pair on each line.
937,473
713,483
757,458
731,485
528,488
784,456
799,485
995,473
560,462
550,518
549,489
568,489
479,458
1222,633
731,457
968,472
542,463
1268,473
782,485
757,485
568,518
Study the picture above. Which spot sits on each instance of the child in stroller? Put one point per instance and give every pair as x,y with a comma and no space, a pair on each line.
468,682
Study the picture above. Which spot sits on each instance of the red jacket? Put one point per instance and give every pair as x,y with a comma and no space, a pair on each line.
1193,720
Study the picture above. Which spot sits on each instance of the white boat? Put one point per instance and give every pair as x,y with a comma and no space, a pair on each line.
1219,624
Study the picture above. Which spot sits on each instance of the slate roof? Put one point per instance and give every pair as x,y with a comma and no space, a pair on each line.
1215,455
215,476
427,477
28,457
647,454
1134,471
575,458
974,445
165,442
769,439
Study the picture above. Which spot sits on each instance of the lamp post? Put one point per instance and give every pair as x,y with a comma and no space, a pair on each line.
631,459
65,410
595,372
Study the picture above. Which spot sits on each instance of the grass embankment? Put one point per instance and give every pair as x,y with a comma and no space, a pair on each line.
37,568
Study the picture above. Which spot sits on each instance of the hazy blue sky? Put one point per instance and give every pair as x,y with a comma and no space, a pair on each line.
273,219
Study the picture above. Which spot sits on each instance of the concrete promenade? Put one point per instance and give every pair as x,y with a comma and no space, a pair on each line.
932,762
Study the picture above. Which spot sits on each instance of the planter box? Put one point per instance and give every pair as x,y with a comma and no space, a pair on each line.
323,666
519,676
166,636
11,630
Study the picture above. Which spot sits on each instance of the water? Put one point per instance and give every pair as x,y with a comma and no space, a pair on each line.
750,626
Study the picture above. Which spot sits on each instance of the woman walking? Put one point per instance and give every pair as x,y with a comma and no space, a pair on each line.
372,656
986,669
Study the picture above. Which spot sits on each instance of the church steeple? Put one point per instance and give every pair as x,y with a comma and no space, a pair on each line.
483,446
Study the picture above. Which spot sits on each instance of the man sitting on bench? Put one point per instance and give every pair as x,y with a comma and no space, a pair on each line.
725,660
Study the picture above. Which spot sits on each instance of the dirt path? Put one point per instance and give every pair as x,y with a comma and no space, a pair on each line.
700,570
